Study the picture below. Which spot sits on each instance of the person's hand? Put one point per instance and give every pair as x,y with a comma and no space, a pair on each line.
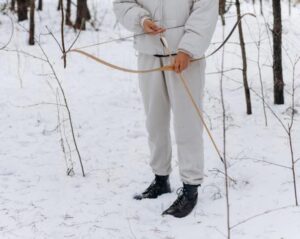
151,28
181,62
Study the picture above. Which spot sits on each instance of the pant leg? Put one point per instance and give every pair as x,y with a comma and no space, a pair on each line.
187,125
157,109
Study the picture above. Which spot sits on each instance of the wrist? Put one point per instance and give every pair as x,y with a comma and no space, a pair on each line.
143,19
190,55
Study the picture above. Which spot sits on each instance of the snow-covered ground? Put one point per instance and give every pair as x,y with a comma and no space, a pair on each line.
37,198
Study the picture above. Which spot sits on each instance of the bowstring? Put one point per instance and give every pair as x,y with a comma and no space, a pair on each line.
121,38
170,28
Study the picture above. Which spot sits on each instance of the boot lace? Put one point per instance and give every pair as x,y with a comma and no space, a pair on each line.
153,188
181,193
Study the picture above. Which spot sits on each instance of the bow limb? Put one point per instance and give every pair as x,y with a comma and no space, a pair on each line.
227,38
164,68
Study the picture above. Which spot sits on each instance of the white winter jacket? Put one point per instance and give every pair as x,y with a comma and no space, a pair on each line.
193,23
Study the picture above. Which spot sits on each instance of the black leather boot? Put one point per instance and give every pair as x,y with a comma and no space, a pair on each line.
159,186
185,203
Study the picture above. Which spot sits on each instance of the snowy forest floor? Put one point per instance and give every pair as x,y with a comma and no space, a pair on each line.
37,198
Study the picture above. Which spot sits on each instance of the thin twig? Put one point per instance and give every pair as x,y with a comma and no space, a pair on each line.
66,104
271,110
225,162
221,172
260,214
224,71
132,233
25,53
258,46
62,33
70,169
75,40
11,35
38,104
267,162
57,42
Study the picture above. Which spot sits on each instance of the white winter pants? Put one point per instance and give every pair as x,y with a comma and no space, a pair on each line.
161,93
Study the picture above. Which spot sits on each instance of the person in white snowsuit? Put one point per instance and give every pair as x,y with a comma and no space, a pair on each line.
187,26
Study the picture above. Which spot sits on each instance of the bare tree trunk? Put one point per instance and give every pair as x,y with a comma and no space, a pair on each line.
222,5
58,6
224,117
66,106
290,131
31,22
277,54
253,5
63,33
258,45
13,5
40,5
22,10
244,57
83,14
261,7
68,14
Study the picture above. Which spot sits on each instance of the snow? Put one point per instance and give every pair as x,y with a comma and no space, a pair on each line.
37,198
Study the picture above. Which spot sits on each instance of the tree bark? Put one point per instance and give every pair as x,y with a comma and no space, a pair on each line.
277,54
244,57
58,6
31,22
83,14
22,10
62,32
222,5
13,5
40,5
68,13
261,7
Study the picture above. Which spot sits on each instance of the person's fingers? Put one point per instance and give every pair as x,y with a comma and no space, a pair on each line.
180,68
151,31
154,29
180,63
153,26
149,27
154,32
158,31
183,66
176,65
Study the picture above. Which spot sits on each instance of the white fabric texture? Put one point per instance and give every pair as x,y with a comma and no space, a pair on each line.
161,92
192,23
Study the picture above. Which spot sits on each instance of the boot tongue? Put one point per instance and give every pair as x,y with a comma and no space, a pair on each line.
190,191
161,179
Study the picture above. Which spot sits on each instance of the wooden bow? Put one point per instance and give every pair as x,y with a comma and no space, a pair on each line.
164,68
